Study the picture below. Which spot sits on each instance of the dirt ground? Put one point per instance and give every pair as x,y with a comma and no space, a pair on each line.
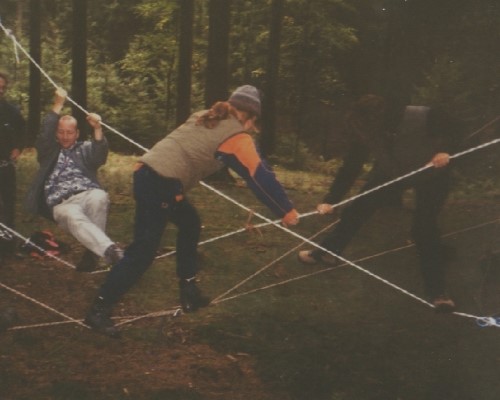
157,358
166,358
71,362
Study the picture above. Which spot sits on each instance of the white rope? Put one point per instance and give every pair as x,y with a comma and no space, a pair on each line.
10,35
273,222
481,321
408,175
222,297
18,45
18,293
227,197
27,240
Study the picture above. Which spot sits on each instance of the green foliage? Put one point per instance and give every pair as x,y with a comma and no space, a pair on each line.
434,52
321,337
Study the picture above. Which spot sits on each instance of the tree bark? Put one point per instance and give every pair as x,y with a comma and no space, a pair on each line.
34,107
216,81
268,141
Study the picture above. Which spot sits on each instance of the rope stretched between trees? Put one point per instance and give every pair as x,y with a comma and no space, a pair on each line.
17,44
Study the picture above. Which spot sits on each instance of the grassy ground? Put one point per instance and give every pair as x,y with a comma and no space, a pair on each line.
337,335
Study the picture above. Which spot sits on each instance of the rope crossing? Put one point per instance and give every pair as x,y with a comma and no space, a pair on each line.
482,321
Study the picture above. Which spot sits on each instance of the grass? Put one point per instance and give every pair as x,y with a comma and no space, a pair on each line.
334,336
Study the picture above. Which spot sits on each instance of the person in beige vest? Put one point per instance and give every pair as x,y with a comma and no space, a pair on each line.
205,143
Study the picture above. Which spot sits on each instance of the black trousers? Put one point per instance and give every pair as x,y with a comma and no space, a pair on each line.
431,191
7,203
156,206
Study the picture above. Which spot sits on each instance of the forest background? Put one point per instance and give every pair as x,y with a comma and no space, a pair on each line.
145,65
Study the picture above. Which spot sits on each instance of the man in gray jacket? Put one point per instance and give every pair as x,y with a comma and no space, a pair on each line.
66,189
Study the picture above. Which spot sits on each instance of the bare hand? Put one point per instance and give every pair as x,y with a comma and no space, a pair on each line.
440,160
324,208
94,120
14,154
290,219
60,92
60,98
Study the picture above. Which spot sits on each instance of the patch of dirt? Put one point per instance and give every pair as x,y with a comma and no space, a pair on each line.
155,358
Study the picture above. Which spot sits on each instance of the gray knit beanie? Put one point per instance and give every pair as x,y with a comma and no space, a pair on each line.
246,98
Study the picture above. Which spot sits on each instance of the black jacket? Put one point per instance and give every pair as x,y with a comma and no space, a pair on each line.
12,130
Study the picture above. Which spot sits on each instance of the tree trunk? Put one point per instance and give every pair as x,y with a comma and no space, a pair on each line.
268,137
216,81
79,62
35,74
185,60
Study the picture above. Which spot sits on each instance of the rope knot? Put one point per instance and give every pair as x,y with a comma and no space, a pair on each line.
251,227
484,322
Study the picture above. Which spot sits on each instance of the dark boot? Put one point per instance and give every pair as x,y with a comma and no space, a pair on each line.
99,319
190,296
88,263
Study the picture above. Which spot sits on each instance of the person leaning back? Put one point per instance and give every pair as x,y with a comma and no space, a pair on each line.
66,188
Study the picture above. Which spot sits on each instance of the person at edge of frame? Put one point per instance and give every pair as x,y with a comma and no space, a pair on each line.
12,141
65,188
399,139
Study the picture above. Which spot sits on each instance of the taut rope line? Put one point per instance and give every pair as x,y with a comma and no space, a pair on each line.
27,240
221,299
216,300
470,150
9,34
456,155
485,321
67,317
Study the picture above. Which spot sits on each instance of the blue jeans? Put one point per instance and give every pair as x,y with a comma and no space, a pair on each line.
157,203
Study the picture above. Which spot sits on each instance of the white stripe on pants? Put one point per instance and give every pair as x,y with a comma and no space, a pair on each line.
84,215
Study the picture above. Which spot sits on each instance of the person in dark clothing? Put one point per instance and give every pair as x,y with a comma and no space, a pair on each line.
12,136
400,139
203,145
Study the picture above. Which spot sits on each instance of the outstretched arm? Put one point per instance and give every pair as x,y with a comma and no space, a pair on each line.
240,154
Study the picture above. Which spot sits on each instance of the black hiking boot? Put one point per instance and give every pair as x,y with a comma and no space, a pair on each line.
190,296
88,262
99,319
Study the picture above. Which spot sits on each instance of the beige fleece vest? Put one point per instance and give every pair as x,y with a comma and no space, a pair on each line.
188,153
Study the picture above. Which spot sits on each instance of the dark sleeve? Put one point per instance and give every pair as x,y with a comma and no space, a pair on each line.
19,127
351,167
46,140
448,131
95,152
240,154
